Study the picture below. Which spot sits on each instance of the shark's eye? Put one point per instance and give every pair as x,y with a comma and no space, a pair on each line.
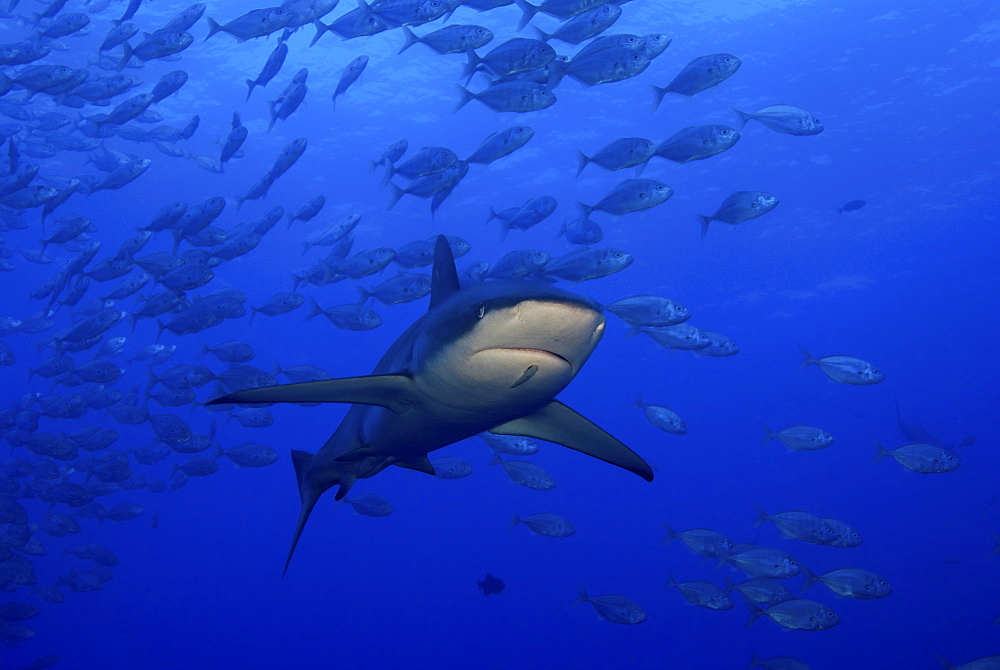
481,311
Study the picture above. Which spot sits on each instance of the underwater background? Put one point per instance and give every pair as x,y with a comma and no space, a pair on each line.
907,280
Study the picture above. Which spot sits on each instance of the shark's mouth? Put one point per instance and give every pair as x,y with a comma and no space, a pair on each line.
539,351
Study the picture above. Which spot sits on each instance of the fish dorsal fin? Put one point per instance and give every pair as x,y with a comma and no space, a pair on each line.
420,465
395,392
444,277
555,422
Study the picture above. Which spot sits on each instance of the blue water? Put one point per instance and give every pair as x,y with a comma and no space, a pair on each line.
907,95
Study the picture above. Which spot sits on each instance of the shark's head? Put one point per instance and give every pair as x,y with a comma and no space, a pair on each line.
508,338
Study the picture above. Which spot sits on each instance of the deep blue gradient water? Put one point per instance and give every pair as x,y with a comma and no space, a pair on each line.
907,94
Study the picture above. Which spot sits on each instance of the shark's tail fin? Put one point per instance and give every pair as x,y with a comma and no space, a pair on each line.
310,492
309,495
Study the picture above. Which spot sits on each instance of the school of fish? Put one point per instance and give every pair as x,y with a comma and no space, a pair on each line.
120,334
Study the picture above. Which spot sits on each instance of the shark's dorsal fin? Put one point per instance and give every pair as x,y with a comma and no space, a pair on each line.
444,276
420,465
555,422
396,392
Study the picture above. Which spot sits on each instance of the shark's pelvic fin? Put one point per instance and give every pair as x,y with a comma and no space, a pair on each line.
444,276
420,465
555,422
396,392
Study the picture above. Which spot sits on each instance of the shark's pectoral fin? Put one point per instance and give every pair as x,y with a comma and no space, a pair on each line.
558,423
420,465
395,392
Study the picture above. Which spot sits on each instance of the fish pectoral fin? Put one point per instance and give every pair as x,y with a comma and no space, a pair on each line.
555,422
420,465
395,392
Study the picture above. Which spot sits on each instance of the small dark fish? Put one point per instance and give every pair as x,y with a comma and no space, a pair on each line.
491,585
350,75
701,73
271,68
852,206
457,39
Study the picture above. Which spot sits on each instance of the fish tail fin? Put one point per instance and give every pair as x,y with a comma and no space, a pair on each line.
632,332
808,579
204,349
741,118
411,39
397,193
728,586
542,35
213,27
126,55
638,401
582,160
160,328
316,309
253,313
515,519
658,93
761,517
581,598
471,66
755,611
493,214
527,12
768,434
585,210
754,659
996,545
320,29
562,229
807,358
250,84
390,170
178,235
704,221
671,582
881,453
363,295
466,94
671,533
273,117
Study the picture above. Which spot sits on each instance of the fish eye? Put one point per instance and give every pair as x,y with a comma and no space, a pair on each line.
481,310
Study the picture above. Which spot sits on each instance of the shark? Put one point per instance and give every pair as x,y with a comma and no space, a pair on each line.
487,357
